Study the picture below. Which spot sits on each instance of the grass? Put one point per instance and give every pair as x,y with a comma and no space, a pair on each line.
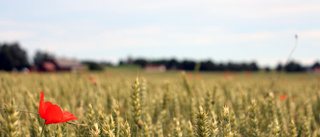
171,103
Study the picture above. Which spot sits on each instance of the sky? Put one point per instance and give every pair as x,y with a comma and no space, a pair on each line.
218,30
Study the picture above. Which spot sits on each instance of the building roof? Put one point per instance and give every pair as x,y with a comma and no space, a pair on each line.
64,63
155,68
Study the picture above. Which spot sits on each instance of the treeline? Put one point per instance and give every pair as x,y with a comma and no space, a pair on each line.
96,66
296,67
13,57
207,65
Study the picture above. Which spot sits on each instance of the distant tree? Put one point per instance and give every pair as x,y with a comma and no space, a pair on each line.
245,67
315,65
208,66
279,67
253,66
106,63
233,66
159,62
293,67
221,67
121,62
267,69
141,62
41,57
93,66
188,65
172,64
12,56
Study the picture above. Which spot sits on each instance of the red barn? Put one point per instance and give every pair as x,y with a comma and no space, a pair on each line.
47,66
155,68
67,64
61,65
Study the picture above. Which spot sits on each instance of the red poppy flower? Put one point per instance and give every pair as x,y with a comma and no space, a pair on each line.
53,113
199,76
283,97
248,74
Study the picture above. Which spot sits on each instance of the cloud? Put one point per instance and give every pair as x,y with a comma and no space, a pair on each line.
56,36
15,35
81,28
311,34
32,26
296,9
140,37
9,23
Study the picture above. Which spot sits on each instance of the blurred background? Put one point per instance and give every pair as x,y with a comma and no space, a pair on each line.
162,35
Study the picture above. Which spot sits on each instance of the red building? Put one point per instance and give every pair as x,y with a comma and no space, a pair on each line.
61,65
155,68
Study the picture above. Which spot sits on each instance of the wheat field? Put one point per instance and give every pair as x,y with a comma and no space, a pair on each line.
121,103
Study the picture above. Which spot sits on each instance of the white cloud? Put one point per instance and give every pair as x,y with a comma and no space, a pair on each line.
296,9
33,26
15,35
311,33
9,23
77,27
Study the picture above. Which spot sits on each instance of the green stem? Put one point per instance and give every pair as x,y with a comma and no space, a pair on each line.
43,128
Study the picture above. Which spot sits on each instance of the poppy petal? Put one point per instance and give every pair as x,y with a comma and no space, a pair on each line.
48,122
41,105
46,105
67,116
53,114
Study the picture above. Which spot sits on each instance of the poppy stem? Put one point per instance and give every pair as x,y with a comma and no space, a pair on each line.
43,128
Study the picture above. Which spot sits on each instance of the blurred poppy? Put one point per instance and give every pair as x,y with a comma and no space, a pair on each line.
93,81
226,77
198,76
53,113
283,97
248,74
108,74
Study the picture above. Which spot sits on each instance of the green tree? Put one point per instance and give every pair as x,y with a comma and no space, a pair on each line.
93,65
41,57
12,56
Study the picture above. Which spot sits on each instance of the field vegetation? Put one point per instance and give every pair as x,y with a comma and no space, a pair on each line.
120,103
